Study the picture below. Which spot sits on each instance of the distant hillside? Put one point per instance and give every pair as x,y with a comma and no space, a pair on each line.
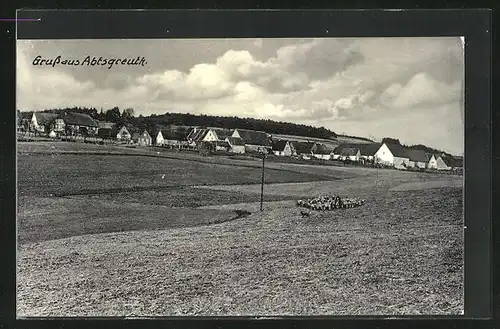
428,149
347,137
283,130
332,143
186,119
270,126
342,139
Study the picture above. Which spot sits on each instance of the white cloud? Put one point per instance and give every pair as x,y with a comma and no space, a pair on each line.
357,85
421,89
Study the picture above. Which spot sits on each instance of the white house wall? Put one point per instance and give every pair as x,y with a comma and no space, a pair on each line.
384,155
34,121
322,156
421,165
240,149
159,139
441,165
210,137
288,150
432,163
398,162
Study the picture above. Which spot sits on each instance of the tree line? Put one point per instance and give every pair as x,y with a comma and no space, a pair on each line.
421,147
154,121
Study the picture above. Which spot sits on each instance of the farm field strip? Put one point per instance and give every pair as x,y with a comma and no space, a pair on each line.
70,174
176,246
250,256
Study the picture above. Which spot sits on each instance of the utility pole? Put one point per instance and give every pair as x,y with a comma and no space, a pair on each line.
262,184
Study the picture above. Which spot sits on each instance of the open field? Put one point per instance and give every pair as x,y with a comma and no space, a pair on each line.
112,237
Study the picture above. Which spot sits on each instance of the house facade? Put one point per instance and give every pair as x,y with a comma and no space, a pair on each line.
71,124
432,163
208,137
236,145
41,121
441,164
145,139
222,146
417,158
392,155
367,151
336,152
283,148
304,149
351,154
255,141
321,151
77,124
123,134
169,137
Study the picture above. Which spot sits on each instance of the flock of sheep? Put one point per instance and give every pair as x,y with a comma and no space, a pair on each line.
330,203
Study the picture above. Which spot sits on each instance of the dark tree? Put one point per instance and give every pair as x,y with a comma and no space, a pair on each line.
128,113
390,140
113,115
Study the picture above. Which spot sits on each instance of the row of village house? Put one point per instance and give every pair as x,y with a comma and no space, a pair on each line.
244,141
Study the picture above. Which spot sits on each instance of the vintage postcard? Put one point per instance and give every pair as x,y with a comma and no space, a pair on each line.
240,177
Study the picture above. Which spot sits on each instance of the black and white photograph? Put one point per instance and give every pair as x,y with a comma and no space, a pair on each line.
240,176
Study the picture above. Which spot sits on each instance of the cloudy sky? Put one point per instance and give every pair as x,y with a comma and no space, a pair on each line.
407,88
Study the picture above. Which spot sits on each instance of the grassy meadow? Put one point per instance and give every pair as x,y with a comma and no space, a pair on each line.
140,233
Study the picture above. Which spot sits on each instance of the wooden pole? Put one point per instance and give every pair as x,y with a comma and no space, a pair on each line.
262,184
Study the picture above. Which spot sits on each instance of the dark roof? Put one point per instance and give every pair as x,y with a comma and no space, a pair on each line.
78,119
369,149
458,162
191,133
279,145
397,150
26,115
349,151
321,149
173,134
339,148
221,133
105,132
135,136
222,143
44,118
453,162
235,141
145,133
303,147
117,130
254,137
366,149
416,155
198,135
